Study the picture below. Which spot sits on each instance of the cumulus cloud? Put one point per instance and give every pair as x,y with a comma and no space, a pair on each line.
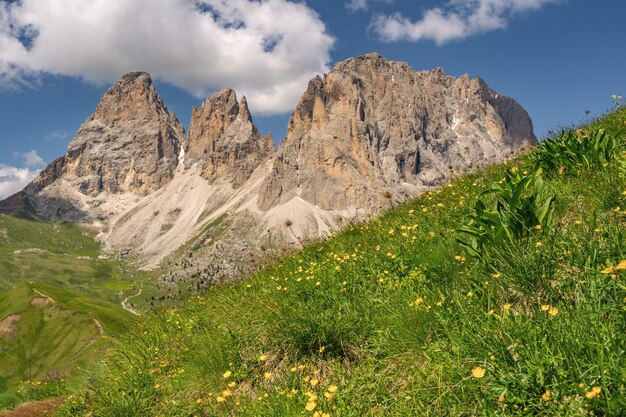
355,5
456,20
266,49
32,160
13,179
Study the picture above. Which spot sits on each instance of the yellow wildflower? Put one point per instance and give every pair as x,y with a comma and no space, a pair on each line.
547,396
553,311
545,307
608,270
232,384
501,399
593,393
478,372
267,375
227,374
314,382
221,399
332,389
227,393
621,266
310,406
263,358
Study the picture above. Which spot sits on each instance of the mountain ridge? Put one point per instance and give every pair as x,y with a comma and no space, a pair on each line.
369,133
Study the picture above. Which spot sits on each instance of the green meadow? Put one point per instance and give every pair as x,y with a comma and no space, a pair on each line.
501,294
59,306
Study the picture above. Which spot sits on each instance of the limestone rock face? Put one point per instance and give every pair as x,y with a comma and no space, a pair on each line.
224,140
373,129
130,144
368,131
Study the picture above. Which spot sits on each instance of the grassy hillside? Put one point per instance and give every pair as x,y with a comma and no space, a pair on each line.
503,293
59,306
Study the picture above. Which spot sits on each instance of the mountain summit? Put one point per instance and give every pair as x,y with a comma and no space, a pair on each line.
372,125
224,140
368,131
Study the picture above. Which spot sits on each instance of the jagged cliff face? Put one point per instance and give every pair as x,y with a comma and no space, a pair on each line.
224,141
130,144
373,127
369,130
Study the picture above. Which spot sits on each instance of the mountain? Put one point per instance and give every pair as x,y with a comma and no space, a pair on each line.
129,145
369,133
372,125
224,140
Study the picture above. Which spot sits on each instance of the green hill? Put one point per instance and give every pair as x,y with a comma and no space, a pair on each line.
503,293
500,294
59,306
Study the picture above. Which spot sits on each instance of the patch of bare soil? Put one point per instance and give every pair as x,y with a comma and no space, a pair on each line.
7,326
38,409
40,302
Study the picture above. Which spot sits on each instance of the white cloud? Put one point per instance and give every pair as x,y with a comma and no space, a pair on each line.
14,179
458,19
56,135
267,49
355,5
32,160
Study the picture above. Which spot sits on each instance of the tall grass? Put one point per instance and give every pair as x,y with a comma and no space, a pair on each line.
393,317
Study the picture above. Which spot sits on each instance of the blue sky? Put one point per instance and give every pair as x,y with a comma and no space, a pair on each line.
558,58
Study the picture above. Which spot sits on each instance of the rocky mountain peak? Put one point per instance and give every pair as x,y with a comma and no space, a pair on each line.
224,141
373,127
368,133
132,97
129,144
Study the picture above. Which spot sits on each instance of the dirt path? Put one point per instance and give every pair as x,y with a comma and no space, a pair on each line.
128,308
90,341
38,409
44,295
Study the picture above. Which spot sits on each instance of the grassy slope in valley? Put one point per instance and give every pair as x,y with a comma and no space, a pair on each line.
52,281
395,318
